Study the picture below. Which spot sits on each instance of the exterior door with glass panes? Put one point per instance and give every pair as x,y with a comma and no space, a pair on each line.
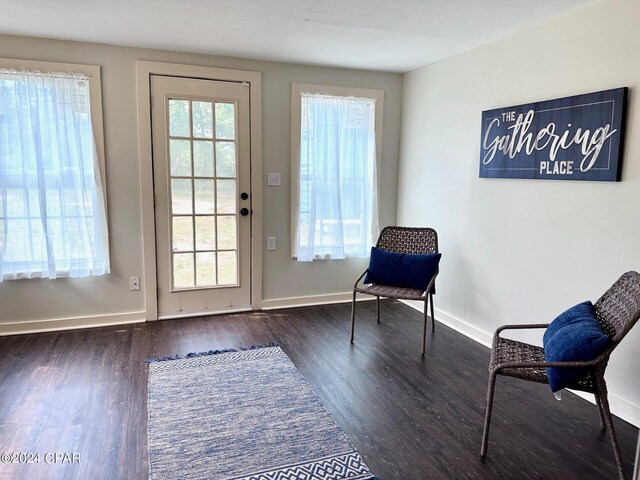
201,168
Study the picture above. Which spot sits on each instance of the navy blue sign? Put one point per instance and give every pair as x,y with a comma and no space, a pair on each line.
572,138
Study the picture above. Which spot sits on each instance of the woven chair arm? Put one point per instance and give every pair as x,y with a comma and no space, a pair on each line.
585,364
518,327
355,285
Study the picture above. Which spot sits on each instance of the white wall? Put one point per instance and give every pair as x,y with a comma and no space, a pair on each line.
109,297
522,251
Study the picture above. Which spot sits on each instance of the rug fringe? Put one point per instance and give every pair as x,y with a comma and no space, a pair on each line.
212,352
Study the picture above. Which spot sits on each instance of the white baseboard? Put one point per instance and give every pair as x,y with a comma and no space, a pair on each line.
55,324
203,313
457,324
306,301
619,406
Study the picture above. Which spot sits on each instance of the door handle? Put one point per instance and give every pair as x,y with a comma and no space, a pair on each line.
244,195
244,211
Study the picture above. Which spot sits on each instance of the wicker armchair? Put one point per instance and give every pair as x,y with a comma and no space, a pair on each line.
401,240
618,310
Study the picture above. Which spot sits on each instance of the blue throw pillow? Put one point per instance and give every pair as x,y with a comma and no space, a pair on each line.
402,269
576,335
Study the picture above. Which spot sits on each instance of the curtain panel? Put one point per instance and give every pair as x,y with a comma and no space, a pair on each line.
52,211
337,214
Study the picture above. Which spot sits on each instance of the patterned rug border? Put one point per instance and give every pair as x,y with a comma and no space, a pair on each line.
211,352
252,354
350,463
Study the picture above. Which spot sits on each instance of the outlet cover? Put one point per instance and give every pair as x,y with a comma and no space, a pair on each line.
134,284
271,243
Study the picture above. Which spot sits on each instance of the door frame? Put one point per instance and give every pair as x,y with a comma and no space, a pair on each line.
144,70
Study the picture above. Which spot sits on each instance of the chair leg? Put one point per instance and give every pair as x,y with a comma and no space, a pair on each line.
433,318
608,420
353,315
378,301
424,328
603,425
487,418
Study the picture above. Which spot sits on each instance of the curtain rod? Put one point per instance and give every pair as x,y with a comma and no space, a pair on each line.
322,95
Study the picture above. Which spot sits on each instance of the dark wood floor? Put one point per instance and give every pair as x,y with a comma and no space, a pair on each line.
85,391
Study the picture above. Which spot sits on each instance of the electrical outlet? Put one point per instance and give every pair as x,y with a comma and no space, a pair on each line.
273,179
134,284
271,243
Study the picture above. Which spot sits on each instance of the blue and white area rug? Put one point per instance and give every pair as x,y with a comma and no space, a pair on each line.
243,415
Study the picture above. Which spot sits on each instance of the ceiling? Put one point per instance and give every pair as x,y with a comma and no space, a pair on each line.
387,35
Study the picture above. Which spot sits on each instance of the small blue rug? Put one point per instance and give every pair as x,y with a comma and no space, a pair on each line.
243,415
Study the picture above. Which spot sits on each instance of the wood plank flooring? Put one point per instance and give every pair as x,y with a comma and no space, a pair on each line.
84,391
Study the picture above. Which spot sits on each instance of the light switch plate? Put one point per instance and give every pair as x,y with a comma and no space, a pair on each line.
273,179
271,243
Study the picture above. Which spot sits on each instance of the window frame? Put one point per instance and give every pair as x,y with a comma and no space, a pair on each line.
92,72
296,90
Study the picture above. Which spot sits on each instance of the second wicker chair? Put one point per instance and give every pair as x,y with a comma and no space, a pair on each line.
409,240
618,309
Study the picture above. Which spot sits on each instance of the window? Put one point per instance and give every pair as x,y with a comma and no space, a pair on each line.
335,146
53,219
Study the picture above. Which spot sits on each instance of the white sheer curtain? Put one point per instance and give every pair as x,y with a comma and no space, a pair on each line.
337,215
52,214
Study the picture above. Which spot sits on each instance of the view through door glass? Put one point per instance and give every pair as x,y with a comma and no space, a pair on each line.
202,155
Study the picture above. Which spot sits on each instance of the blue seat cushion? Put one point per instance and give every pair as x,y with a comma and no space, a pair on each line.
575,335
402,269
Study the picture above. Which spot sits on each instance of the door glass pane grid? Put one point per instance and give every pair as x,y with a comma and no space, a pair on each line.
227,245
204,229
